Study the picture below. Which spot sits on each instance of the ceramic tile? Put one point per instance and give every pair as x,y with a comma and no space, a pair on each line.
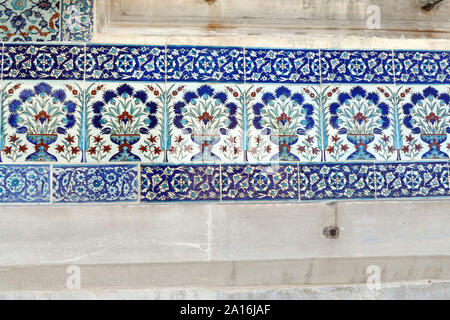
283,123
422,67
412,179
282,66
203,123
94,183
356,66
360,123
41,121
35,61
124,122
205,64
77,20
340,181
114,62
425,122
180,183
24,184
22,20
260,182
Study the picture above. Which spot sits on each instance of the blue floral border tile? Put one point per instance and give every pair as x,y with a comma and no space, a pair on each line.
77,20
95,183
260,182
207,64
120,63
422,67
356,66
412,179
282,66
339,181
180,183
25,183
49,61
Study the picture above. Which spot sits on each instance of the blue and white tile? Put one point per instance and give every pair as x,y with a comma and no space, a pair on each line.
124,122
422,67
282,66
260,182
356,66
204,122
168,183
22,20
360,122
205,64
41,121
425,122
77,20
412,180
95,183
121,63
33,61
340,181
283,123
24,184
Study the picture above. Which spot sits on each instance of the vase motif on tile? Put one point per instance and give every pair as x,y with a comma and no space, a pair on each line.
39,115
205,115
283,116
124,114
360,115
428,114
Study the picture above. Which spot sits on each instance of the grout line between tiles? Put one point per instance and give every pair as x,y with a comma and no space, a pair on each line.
393,68
51,183
220,179
60,20
139,177
375,179
298,182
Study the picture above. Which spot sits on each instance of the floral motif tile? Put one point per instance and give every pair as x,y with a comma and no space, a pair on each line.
180,183
425,122
356,66
90,183
24,184
77,20
206,64
260,182
417,179
33,61
124,122
41,121
360,121
202,122
110,62
282,66
22,20
324,181
422,67
282,123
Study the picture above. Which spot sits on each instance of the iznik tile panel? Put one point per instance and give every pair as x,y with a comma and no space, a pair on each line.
24,184
77,20
90,183
180,183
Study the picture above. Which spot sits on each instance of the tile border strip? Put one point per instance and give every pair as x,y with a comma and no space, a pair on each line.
309,182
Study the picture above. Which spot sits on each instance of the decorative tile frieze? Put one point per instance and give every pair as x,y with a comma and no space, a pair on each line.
412,179
43,61
422,67
180,183
340,181
205,64
120,63
260,182
24,184
95,183
356,66
282,66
